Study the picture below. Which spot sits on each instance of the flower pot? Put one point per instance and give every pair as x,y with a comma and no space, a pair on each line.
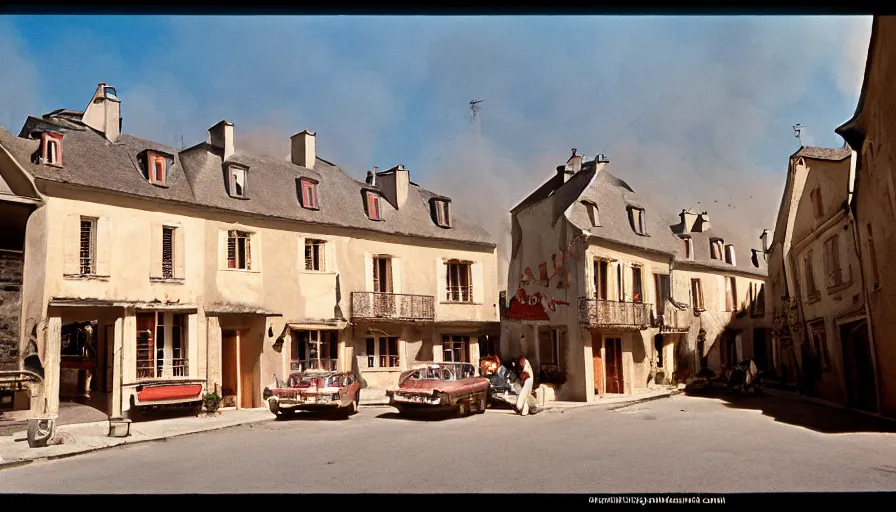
211,405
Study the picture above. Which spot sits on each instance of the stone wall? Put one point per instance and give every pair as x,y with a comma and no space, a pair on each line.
11,265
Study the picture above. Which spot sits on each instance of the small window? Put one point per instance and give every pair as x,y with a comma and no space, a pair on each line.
309,194
730,294
382,352
715,248
636,217
374,206
593,213
697,295
549,342
315,252
729,255
809,273
459,281
239,253
88,246
51,153
168,252
237,182
158,170
456,349
637,292
832,262
688,247
817,205
820,344
443,212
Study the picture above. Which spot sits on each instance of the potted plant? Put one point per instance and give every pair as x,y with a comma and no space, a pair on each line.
212,400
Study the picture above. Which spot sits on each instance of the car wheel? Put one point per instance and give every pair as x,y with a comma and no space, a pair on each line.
483,404
463,408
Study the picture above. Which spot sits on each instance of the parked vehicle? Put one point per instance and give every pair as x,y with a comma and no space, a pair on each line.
314,390
441,385
505,386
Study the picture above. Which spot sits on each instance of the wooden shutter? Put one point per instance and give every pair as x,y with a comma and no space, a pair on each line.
155,250
103,247
71,246
396,275
476,283
179,253
248,250
231,249
388,276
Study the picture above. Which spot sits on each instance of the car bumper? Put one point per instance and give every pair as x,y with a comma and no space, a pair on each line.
417,400
276,404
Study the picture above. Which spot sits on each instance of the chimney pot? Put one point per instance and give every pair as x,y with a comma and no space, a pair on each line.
304,150
103,113
221,136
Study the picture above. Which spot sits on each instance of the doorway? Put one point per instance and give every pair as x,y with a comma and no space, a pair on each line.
598,364
230,369
613,353
857,366
760,349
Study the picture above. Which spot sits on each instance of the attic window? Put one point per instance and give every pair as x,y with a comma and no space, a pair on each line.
442,212
51,148
756,258
729,255
593,213
309,194
374,206
688,247
110,91
155,167
715,248
237,182
636,218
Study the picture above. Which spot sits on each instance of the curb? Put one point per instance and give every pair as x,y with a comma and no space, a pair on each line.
21,462
611,407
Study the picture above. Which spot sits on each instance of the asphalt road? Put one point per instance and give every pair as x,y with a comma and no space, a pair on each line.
679,444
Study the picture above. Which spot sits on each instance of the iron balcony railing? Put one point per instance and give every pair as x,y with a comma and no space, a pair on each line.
304,365
611,313
673,319
393,306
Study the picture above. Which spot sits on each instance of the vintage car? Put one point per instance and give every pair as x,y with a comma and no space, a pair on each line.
504,385
314,390
440,385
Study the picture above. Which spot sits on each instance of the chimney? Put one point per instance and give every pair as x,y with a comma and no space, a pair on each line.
764,238
688,220
303,149
394,183
702,224
103,113
221,136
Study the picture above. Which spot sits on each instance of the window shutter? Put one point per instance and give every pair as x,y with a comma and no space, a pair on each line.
179,253
71,244
155,250
103,247
396,275
476,283
230,255
368,273
249,251
388,276
442,289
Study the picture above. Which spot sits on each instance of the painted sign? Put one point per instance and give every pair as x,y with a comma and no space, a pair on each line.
535,306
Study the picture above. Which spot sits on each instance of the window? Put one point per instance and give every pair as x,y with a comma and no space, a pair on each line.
456,349
382,352
51,152
161,345
697,295
730,294
636,217
167,252
832,262
817,205
593,213
663,284
809,274
688,247
715,248
600,280
374,207
620,284
443,212
729,255
820,344
459,286
313,350
309,194
637,294
237,182
315,254
550,341
489,346
88,246
239,253
382,274
158,170
757,299
875,276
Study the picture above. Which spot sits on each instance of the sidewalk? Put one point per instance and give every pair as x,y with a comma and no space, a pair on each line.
611,402
373,396
88,437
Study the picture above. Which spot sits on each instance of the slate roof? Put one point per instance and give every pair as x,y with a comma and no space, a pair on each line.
743,257
197,177
819,153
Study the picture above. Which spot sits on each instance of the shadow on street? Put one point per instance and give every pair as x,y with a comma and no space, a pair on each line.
422,415
313,416
820,418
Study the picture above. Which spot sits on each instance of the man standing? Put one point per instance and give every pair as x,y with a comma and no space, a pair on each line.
526,378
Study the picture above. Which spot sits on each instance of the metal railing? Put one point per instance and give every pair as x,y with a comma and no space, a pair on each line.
673,319
179,368
611,313
303,365
393,306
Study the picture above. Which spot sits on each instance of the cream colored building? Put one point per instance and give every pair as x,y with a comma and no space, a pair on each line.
599,285
186,271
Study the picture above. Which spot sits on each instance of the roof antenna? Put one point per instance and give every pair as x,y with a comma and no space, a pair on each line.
797,132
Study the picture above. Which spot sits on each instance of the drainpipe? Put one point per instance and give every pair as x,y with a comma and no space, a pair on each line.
865,294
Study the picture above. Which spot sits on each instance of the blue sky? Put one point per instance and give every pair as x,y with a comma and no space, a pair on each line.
716,97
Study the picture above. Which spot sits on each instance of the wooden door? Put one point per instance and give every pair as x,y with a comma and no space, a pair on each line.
229,367
108,366
596,345
613,353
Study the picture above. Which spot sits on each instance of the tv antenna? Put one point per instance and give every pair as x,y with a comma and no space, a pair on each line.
797,132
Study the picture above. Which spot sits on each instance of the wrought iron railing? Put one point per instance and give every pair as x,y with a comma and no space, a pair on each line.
303,365
611,313
393,306
673,319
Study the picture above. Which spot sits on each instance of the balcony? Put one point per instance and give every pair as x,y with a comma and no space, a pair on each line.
393,306
674,320
611,313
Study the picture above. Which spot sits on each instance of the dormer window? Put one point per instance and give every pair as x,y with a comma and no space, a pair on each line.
237,177
309,193
158,170
155,167
729,255
636,218
688,247
51,148
715,248
593,213
442,209
374,206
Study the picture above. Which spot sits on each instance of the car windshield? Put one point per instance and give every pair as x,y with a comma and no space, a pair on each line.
443,371
307,380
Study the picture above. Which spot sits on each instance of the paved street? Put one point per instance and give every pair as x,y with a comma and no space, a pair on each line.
672,445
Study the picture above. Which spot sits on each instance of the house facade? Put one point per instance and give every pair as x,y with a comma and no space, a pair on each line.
874,210
163,273
599,287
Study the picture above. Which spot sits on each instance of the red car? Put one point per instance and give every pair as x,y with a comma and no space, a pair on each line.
441,385
315,390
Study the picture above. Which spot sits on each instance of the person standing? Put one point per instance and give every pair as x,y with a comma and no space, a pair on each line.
526,378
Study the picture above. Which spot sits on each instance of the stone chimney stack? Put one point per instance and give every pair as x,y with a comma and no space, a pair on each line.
702,224
221,137
304,152
688,220
103,113
394,184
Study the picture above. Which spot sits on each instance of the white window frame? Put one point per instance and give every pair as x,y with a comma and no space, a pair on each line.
233,171
443,213
638,223
171,366
697,297
729,255
321,247
171,272
91,247
240,235
450,344
462,297
376,357
688,247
